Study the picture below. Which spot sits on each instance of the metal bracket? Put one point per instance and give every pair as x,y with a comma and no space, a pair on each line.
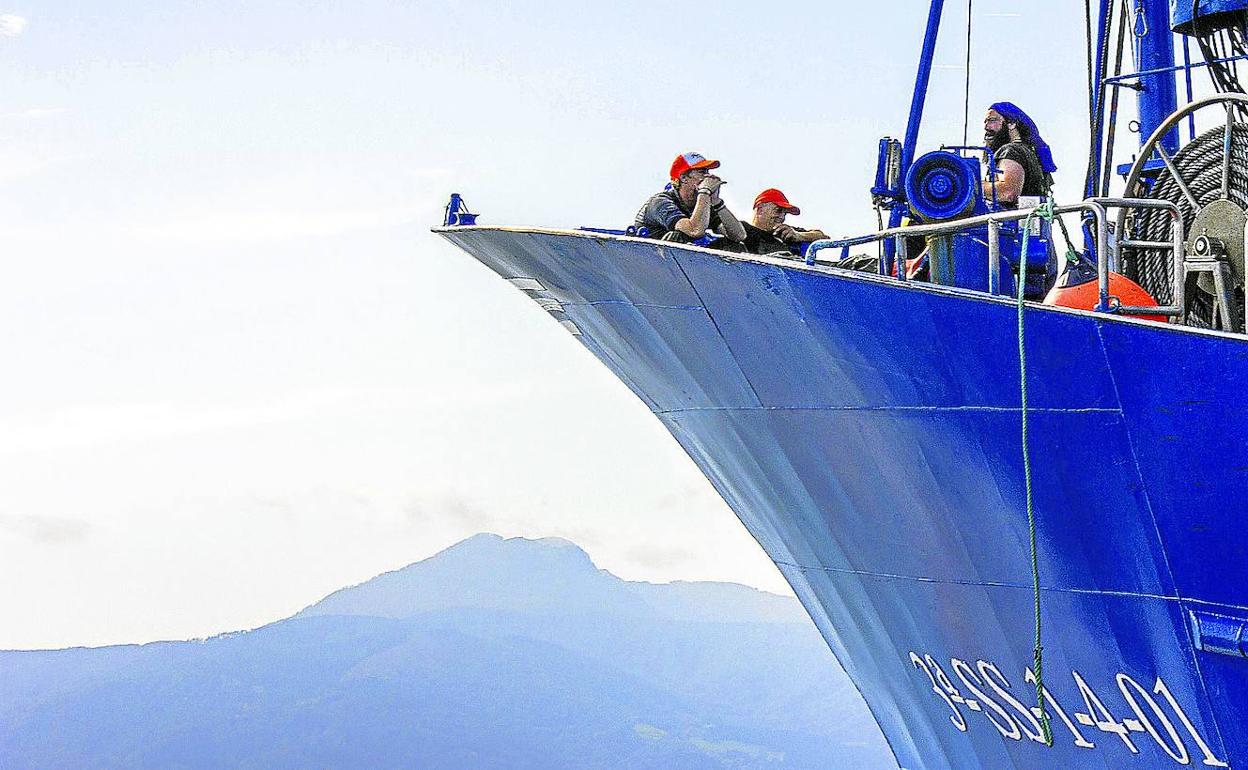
1223,294
1220,634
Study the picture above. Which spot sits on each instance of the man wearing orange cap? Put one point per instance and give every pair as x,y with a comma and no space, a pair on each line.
768,233
690,206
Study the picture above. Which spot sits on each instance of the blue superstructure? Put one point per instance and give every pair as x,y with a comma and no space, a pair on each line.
878,456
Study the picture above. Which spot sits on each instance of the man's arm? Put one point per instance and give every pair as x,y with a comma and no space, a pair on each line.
790,234
1009,184
733,228
696,223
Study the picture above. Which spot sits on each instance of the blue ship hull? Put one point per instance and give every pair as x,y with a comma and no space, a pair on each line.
867,433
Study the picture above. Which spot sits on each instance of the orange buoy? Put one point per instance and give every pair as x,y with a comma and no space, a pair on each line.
1085,295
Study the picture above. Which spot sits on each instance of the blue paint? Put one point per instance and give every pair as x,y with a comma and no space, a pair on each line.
921,79
1131,76
1223,634
1159,97
1187,87
943,185
457,214
878,464
898,209
1097,89
1181,11
866,432
884,187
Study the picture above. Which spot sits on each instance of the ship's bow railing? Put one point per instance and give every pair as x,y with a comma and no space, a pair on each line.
1106,246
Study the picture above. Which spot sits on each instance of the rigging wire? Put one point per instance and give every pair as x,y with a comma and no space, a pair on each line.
1113,103
1087,51
1200,165
966,101
1227,41
1096,89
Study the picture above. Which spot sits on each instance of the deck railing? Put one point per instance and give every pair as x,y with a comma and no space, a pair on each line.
1106,251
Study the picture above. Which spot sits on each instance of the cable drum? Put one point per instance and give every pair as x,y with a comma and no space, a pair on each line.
1200,165
941,185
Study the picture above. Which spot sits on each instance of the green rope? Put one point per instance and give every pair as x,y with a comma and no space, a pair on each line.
1044,211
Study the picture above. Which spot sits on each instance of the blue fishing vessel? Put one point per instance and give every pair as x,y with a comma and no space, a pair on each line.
1022,526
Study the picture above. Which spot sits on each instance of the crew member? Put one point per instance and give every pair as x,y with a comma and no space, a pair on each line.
690,205
1023,159
767,233
1024,168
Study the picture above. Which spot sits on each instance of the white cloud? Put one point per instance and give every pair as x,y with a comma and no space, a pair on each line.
12,25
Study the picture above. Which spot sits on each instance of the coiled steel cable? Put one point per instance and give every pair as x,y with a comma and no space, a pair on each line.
1199,163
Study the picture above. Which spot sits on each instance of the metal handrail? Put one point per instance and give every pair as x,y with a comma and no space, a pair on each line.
1119,79
1177,240
1097,207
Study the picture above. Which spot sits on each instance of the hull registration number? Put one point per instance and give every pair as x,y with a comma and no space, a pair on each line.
978,691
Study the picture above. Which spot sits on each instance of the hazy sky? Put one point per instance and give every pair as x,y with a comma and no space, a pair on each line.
241,371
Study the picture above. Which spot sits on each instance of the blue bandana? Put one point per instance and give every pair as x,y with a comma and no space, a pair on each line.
1011,112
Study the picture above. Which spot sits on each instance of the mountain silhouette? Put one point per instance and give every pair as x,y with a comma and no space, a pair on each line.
492,654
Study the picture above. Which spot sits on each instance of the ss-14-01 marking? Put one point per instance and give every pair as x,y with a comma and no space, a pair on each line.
1013,720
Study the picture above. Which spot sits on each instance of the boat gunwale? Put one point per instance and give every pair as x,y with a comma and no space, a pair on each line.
796,263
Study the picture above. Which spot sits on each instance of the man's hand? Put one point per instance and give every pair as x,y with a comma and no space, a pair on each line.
785,233
710,184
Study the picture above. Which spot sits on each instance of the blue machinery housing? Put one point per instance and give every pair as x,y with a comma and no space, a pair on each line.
880,463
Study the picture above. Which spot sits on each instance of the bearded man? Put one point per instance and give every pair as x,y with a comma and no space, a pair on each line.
1022,157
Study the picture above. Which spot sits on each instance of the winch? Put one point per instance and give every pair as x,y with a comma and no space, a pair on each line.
1208,180
943,185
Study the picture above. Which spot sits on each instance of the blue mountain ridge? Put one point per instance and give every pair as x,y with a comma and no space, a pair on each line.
491,654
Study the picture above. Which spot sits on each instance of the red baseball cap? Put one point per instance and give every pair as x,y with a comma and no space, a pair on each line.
772,195
689,161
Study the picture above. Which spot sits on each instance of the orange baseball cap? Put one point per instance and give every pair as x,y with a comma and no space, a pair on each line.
772,195
689,161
